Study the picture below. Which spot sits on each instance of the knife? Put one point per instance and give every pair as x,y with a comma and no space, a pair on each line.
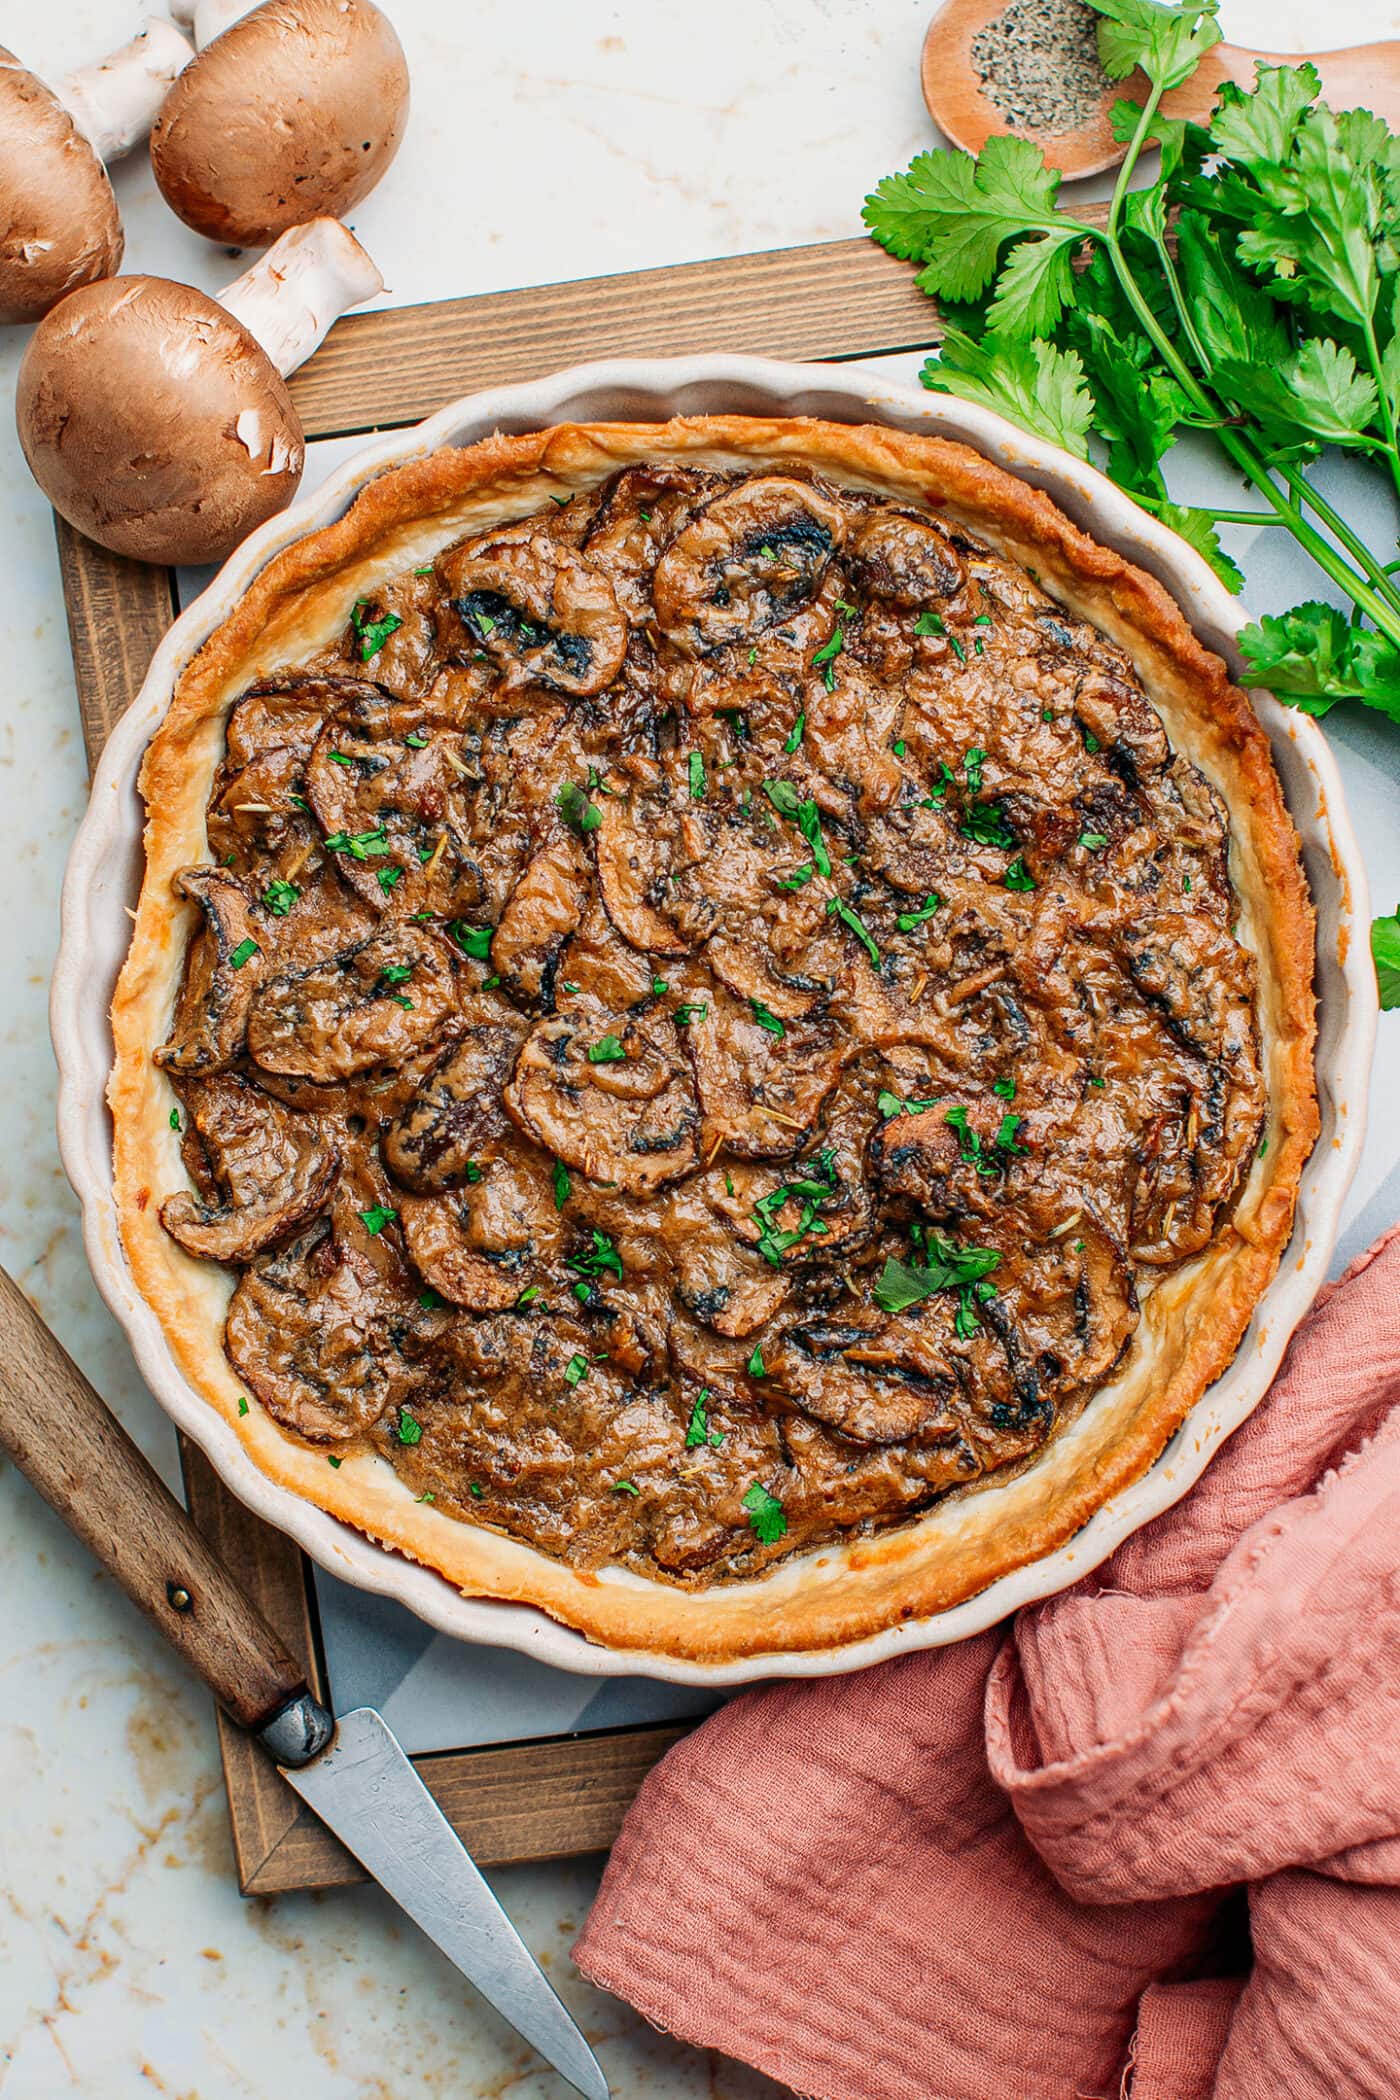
352,1771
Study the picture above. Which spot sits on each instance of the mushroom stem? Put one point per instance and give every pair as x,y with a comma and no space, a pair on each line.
114,102
309,277
209,18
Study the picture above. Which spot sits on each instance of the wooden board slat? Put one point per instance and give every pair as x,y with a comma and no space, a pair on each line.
837,299
117,612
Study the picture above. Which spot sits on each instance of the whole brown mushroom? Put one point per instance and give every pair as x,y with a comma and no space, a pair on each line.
59,226
292,113
156,419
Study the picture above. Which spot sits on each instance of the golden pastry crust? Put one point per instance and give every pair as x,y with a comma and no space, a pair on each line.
1192,1323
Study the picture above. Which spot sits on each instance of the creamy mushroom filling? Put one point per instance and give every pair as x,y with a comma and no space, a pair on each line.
709,1004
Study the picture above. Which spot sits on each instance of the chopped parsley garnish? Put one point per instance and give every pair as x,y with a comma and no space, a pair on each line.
174,1119
908,920
808,1192
360,845
1018,876
804,814
1093,841
753,658
1091,742
985,824
756,1366
858,927
372,634
929,623
396,973
341,758
645,516
387,877
957,648
766,1519
1005,1139
596,783
476,1489
1093,1081
765,1019
577,811
573,987
698,1430
947,1266
825,658
602,1256
471,1171
562,1185
972,768
798,877
335,1462
410,1429
794,736
415,740
892,1105
430,1300
983,620
689,1013
426,1496
970,1143
1006,1088
242,1404
402,999
279,897
607,1050
658,987
472,940
936,794
576,1370
695,774
376,1218
625,1487
244,952
1186,883
527,1297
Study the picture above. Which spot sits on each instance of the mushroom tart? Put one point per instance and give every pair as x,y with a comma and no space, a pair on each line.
705,994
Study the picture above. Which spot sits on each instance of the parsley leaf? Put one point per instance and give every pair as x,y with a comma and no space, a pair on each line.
948,1267
908,920
578,812
608,1050
376,1218
1385,950
563,1187
766,1519
756,1366
1033,383
280,896
794,735
1166,42
372,634
765,1019
243,953
698,1430
695,769
410,1429
472,940
602,1257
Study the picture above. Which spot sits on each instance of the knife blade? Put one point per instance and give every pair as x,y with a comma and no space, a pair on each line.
364,1787
62,1436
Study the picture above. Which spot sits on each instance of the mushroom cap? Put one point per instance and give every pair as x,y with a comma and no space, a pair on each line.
153,421
292,114
59,226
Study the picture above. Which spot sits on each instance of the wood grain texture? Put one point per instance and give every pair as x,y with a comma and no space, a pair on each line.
118,610
71,1447
837,299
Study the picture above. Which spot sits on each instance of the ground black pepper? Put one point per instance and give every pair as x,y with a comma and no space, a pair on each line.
1038,64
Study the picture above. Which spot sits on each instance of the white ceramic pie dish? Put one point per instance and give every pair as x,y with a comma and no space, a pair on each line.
104,877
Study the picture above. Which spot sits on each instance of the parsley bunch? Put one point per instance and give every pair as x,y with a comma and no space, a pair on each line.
1252,291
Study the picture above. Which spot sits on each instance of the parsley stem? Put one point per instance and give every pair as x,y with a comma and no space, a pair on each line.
1373,359
1304,492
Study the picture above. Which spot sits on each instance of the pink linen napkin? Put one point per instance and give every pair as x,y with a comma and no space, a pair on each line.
1004,1871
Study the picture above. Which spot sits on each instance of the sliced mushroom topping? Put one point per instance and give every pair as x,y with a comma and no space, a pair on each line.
395,815
543,911
314,1333
456,1119
640,511
745,562
635,847
539,609
868,1380
906,560
290,711
478,1245
275,1171
719,1281
604,1093
1193,1152
222,972
1068,1303
373,1004
761,1093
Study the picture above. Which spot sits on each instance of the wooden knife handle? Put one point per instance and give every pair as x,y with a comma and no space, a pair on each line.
66,1441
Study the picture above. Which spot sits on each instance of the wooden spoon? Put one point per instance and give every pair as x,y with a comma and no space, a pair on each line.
1365,76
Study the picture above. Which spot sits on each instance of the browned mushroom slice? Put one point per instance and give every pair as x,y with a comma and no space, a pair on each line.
312,1331
636,854
543,910
639,511
745,562
222,971
1193,1151
601,964
274,1170
1067,1303
760,1093
906,560
456,1118
395,815
290,711
477,1245
950,1170
876,1382
373,1004
542,611
718,1280
607,1095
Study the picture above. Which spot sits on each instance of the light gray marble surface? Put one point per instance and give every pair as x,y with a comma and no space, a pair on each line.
549,140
